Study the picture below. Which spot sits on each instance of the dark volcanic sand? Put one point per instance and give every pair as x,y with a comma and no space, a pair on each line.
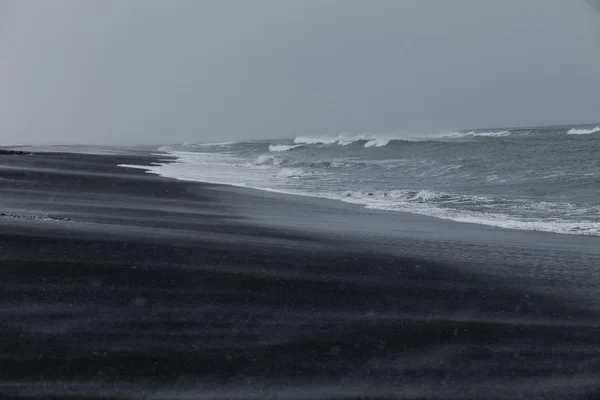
119,284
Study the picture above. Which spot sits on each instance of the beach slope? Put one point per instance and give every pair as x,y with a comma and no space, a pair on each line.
115,283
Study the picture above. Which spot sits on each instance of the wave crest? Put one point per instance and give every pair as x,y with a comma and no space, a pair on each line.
345,139
481,134
267,159
383,139
282,147
575,131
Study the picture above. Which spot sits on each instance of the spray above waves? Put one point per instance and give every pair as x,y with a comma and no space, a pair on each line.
575,131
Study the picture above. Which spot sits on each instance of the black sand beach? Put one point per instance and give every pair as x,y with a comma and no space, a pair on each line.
117,284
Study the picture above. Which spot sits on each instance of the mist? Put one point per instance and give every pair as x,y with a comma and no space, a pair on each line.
156,72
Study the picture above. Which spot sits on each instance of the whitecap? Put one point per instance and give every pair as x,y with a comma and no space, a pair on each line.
344,139
480,134
282,147
575,131
266,159
383,139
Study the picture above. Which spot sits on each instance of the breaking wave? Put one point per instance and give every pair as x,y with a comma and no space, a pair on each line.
368,139
575,131
344,139
266,159
471,176
481,134
282,147
383,139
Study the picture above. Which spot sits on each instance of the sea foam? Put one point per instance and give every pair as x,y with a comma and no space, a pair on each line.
431,204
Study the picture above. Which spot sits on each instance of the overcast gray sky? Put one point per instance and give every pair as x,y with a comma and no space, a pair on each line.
150,71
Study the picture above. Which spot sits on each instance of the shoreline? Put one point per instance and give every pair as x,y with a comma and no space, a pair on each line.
430,226
149,170
328,221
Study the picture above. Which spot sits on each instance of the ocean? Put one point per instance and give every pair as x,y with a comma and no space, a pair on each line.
541,178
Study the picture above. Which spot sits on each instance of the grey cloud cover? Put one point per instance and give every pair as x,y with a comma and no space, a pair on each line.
149,71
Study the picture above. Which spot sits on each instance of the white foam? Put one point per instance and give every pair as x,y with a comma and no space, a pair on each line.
404,201
218,144
383,139
575,131
282,147
266,159
292,173
344,139
426,195
480,134
263,159
269,176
